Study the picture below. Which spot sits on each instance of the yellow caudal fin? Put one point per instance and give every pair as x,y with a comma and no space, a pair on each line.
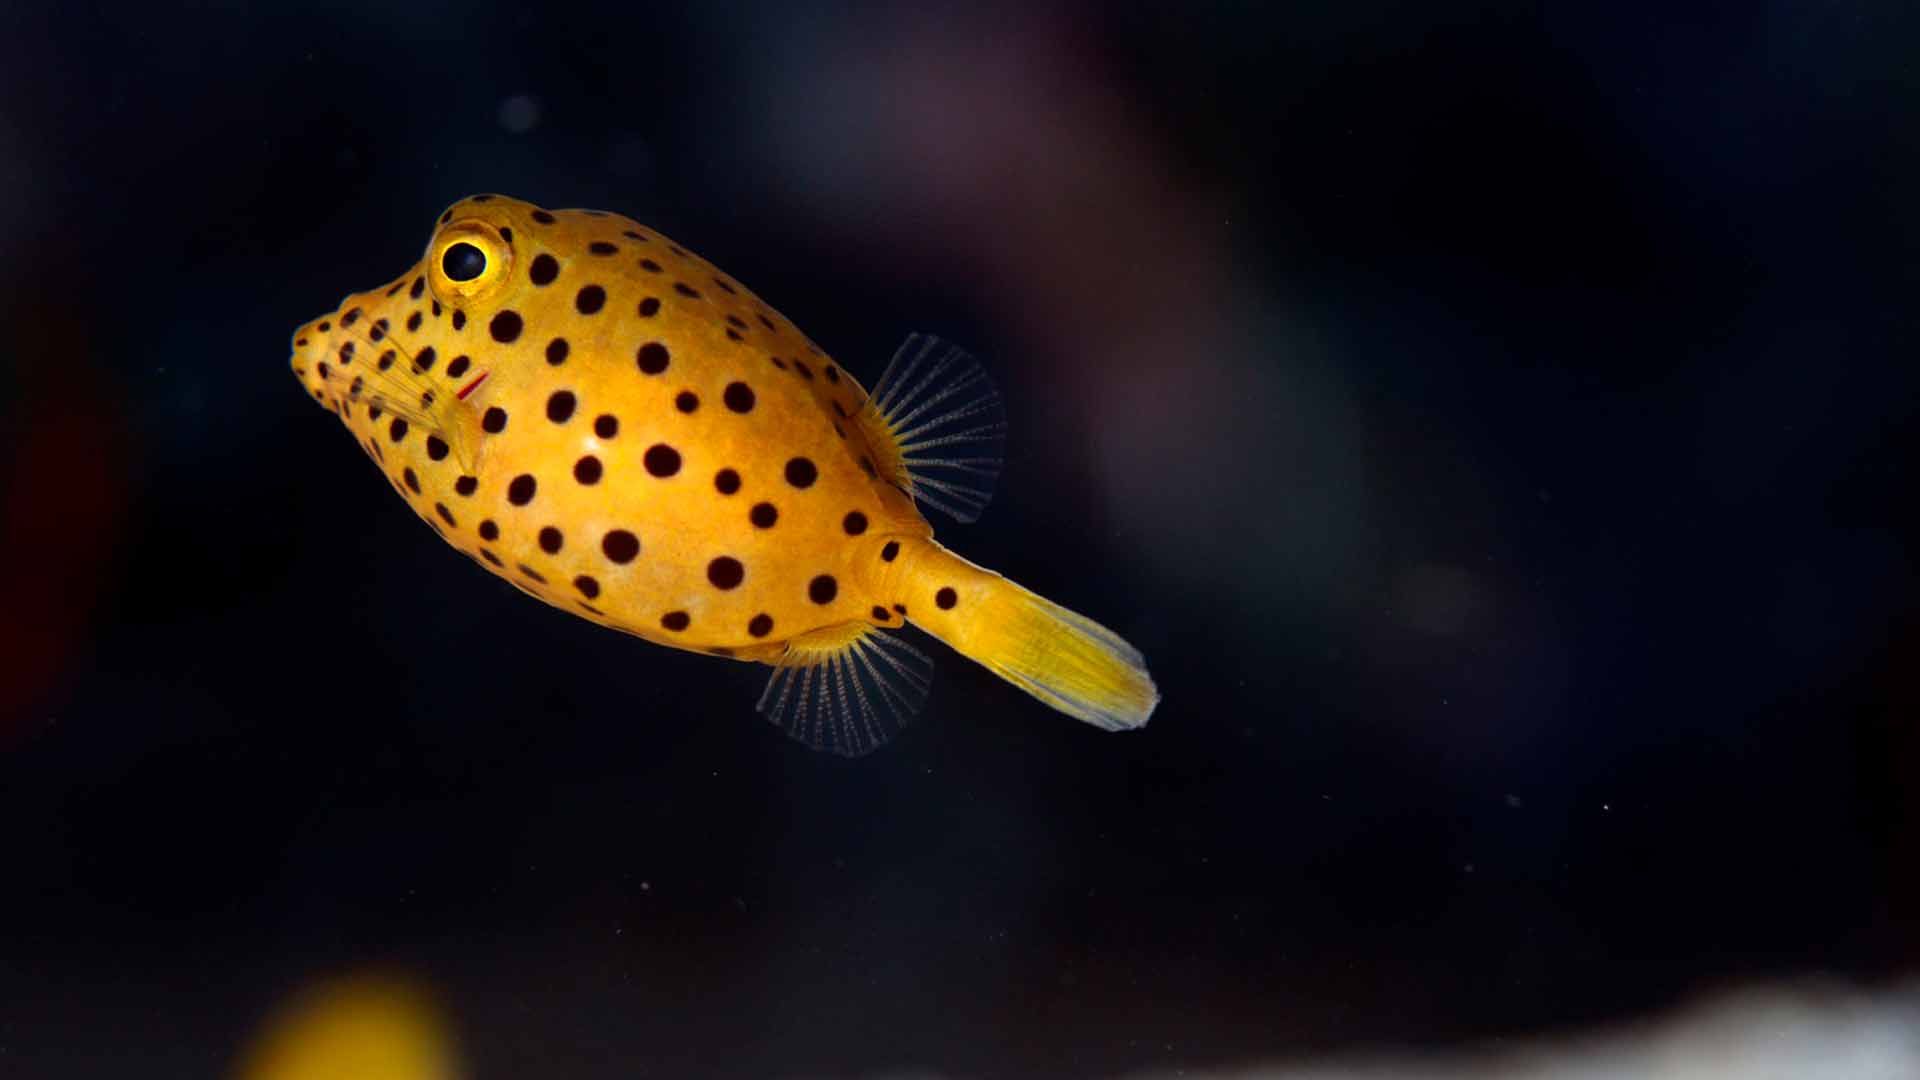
1063,658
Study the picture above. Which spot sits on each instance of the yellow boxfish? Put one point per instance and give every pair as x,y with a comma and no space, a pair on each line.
601,417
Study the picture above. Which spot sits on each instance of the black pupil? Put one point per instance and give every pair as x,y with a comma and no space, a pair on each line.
464,262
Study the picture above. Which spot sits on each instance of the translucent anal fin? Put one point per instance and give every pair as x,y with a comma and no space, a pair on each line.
937,427
847,689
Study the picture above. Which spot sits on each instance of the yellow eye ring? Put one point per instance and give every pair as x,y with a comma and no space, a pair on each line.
467,260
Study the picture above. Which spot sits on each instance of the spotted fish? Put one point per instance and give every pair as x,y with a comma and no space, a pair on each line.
601,417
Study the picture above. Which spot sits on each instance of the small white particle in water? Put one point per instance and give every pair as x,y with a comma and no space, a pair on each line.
519,114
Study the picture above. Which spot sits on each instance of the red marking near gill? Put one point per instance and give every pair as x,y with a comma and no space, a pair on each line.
468,389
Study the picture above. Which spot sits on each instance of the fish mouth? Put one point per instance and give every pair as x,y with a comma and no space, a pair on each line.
323,349
308,350
324,345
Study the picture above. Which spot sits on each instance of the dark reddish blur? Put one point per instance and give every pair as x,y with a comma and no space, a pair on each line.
63,494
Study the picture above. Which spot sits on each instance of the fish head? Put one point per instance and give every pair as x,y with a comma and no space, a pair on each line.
465,274
418,345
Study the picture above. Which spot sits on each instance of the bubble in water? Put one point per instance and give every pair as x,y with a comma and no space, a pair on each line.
519,114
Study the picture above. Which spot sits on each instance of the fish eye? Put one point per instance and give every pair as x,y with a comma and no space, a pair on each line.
468,261
463,262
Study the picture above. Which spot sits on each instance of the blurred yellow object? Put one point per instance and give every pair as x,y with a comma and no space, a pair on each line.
360,1028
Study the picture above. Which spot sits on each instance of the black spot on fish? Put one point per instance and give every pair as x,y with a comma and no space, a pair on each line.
725,572
822,589
652,358
620,546
662,460
801,472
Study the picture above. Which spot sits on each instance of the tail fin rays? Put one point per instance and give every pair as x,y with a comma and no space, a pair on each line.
1065,659
1059,656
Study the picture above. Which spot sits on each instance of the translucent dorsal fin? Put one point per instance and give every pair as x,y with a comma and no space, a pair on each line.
847,689
938,427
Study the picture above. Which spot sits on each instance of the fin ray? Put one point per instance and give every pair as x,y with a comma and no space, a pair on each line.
934,396
846,689
401,388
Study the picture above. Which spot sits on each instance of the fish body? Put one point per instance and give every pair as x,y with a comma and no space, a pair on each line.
606,420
